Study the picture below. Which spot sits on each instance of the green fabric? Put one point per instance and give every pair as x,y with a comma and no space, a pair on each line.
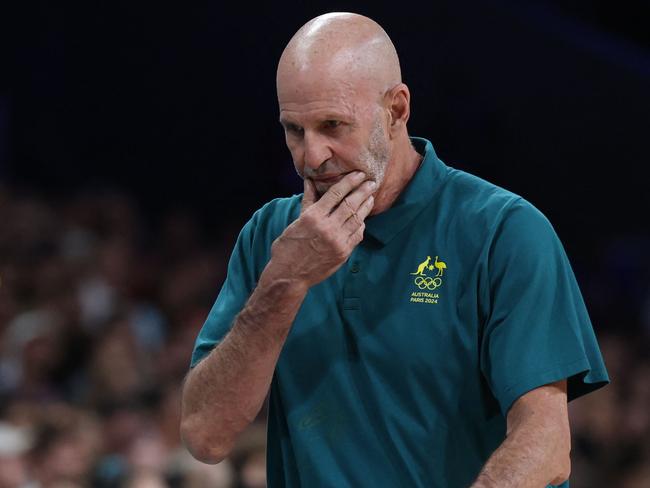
399,369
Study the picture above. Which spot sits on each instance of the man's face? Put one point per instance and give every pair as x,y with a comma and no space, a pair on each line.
333,131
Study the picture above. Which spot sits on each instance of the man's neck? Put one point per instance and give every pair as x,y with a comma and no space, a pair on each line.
399,172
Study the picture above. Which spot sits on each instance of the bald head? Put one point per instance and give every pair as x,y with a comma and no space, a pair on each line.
344,107
341,47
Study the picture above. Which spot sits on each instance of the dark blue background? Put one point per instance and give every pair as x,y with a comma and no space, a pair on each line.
175,104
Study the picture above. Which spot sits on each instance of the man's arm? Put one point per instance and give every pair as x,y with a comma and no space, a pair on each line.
224,393
536,450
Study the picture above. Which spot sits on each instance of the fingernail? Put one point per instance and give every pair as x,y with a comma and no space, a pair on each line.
372,184
359,174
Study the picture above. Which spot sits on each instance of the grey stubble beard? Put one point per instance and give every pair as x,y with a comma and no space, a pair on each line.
376,155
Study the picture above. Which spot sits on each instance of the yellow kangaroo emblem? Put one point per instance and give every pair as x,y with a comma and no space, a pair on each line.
422,266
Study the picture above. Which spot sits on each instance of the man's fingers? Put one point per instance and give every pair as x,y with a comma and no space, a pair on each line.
366,208
351,203
357,236
309,196
333,197
357,219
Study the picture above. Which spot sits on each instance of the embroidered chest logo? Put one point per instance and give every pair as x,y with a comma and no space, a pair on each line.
427,281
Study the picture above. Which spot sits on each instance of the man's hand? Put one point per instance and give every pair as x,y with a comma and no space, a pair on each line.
316,244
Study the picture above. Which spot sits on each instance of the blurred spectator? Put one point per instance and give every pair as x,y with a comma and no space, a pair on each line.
249,458
66,443
14,443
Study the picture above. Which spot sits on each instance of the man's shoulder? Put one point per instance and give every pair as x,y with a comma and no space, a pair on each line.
477,197
472,202
461,188
478,190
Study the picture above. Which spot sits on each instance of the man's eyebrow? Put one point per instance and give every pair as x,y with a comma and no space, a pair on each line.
285,122
325,118
335,116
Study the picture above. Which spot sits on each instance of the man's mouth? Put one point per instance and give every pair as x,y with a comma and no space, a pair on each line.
328,179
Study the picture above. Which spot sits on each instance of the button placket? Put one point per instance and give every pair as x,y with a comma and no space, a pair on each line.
351,287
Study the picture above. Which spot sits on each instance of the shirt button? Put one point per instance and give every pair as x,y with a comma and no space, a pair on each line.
354,268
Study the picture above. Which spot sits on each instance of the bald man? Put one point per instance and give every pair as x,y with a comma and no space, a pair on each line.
385,368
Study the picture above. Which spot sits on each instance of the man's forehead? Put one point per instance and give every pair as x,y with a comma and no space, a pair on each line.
322,89
329,103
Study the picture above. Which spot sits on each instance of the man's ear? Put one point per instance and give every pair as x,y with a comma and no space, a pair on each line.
398,104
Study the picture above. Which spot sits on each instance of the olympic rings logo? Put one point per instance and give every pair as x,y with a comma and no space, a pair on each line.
427,283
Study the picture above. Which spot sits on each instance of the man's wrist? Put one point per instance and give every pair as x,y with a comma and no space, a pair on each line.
276,278
273,305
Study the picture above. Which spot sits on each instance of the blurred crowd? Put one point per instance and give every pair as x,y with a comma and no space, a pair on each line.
99,309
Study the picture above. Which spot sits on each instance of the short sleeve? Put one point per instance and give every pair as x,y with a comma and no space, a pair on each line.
234,293
537,330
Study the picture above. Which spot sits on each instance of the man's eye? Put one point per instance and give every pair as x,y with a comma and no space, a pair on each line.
331,124
294,129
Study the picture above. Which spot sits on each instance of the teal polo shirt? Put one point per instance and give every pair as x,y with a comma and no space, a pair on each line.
400,368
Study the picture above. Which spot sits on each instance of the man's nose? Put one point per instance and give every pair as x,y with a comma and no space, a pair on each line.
316,149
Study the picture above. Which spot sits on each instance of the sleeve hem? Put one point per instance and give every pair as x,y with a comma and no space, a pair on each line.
562,371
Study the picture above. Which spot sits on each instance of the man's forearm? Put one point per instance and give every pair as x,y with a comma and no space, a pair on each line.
536,450
225,391
522,461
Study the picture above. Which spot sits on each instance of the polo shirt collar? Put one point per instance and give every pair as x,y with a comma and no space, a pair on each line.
413,199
